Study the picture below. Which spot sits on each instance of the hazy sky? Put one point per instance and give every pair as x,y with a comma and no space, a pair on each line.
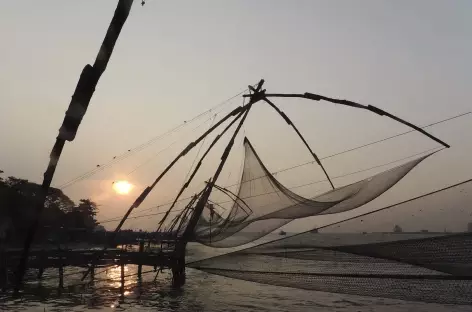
175,59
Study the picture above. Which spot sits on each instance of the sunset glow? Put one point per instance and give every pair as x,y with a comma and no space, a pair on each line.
122,187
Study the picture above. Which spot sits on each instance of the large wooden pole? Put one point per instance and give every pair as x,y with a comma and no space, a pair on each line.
148,189
373,109
257,96
178,267
80,100
187,183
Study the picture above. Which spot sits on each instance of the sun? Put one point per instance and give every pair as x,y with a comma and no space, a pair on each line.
122,187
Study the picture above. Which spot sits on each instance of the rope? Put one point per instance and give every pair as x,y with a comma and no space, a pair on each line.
436,149
337,154
326,157
144,145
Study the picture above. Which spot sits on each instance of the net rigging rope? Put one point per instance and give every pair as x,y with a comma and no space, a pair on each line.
158,153
144,145
278,171
280,206
338,153
114,161
213,118
117,218
110,220
361,146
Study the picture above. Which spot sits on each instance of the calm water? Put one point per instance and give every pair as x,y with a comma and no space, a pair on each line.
202,292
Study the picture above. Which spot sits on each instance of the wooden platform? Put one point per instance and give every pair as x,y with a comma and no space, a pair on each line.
83,258
165,257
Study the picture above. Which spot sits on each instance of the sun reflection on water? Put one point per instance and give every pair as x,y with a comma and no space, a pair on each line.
114,276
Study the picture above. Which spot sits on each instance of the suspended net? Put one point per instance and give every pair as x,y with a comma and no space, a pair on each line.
415,250
262,204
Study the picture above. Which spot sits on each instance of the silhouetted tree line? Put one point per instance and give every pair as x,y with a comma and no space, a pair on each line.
61,220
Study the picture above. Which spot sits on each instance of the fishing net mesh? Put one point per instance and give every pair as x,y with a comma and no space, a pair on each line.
262,204
415,250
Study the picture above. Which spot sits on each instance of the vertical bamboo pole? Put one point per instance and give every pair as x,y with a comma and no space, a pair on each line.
77,108
61,273
141,254
122,286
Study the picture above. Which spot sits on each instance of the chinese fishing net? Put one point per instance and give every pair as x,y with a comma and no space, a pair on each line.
414,250
263,204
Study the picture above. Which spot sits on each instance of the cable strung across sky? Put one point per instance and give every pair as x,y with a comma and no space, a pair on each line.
334,155
146,144
256,94
115,219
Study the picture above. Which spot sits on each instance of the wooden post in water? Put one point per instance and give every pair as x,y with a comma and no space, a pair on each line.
40,271
178,267
178,274
3,268
141,251
41,264
61,273
122,287
92,273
